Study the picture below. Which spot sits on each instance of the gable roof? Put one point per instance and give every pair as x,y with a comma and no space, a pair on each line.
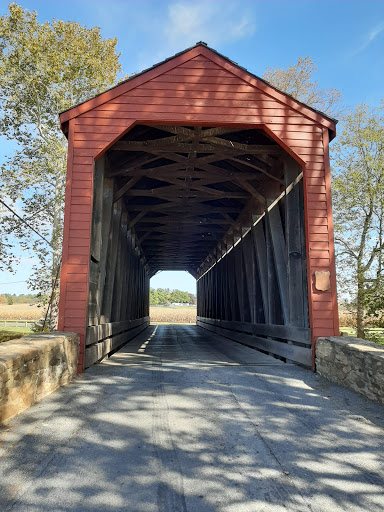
163,66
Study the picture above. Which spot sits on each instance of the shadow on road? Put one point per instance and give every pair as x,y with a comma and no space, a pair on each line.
184,420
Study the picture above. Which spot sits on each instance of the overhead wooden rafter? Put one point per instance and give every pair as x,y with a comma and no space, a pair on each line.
186,189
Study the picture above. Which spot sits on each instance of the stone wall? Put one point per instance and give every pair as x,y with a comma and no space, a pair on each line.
353,363
33,367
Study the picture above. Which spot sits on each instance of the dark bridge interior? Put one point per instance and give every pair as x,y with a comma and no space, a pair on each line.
185,188
225,204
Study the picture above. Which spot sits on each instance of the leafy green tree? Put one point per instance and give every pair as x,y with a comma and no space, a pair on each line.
297,80
358,206
165,296
162,295
44,69
10,299
153,297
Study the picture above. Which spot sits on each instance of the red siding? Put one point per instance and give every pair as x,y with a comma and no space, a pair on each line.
197,87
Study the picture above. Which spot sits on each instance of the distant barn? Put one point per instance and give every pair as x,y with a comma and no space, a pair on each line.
198,165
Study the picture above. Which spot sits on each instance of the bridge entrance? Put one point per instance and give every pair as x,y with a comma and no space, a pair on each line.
198,165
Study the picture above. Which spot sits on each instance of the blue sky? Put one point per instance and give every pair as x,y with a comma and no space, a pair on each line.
344,38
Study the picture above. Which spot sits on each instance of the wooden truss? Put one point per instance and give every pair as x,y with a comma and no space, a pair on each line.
189,189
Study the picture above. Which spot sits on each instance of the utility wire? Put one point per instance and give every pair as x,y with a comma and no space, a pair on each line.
25,222
45,240
13,282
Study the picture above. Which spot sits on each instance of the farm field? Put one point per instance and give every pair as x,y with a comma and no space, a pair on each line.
177,314
158,314
21,312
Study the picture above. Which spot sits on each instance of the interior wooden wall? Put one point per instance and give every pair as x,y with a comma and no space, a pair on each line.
256,291
118,291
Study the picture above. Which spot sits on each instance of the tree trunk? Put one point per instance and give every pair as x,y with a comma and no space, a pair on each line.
360,303
56,249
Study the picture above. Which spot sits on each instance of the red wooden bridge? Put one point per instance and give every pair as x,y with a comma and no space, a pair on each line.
198,165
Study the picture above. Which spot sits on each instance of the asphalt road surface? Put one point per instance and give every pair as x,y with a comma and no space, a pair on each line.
184,420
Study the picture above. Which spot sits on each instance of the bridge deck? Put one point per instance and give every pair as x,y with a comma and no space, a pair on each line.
184,420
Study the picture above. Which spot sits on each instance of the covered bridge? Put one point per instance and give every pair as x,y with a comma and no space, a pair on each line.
198,165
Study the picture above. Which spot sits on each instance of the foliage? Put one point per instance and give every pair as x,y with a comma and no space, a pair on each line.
44,69
358,205
164,296
28,298
297,81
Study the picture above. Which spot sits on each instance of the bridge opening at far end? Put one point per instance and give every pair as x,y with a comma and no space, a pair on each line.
172,298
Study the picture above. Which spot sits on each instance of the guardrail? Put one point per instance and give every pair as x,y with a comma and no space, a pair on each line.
17,323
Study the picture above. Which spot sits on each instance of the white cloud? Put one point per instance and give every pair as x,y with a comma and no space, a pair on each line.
375,32
214,22
370,37
184,23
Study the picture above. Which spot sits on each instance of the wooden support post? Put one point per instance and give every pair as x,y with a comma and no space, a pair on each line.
259,243
249,266
117,285
293,231
280,257
239,280
273,299
105,316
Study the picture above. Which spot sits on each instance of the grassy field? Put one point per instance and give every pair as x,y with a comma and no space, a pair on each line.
177,314
11,333
21,312
158,314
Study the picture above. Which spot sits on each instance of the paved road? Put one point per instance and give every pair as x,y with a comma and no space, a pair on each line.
183,420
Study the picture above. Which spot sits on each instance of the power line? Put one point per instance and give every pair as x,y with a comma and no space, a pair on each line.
25,222
12,282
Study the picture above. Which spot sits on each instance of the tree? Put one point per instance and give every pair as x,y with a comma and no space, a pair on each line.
179,297
153,297
10,298
358,205
164,296
297,81
44,69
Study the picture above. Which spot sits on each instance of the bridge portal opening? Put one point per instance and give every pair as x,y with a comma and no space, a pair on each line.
224,204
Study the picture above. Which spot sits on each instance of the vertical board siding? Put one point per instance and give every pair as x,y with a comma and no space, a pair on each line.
206,90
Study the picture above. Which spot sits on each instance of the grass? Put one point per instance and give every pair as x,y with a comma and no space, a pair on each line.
11,333
375,335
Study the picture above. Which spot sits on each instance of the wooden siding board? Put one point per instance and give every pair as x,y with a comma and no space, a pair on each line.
162,69
327,172
66,229
138,111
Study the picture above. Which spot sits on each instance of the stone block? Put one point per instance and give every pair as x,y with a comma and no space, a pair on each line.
353,363
33,367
